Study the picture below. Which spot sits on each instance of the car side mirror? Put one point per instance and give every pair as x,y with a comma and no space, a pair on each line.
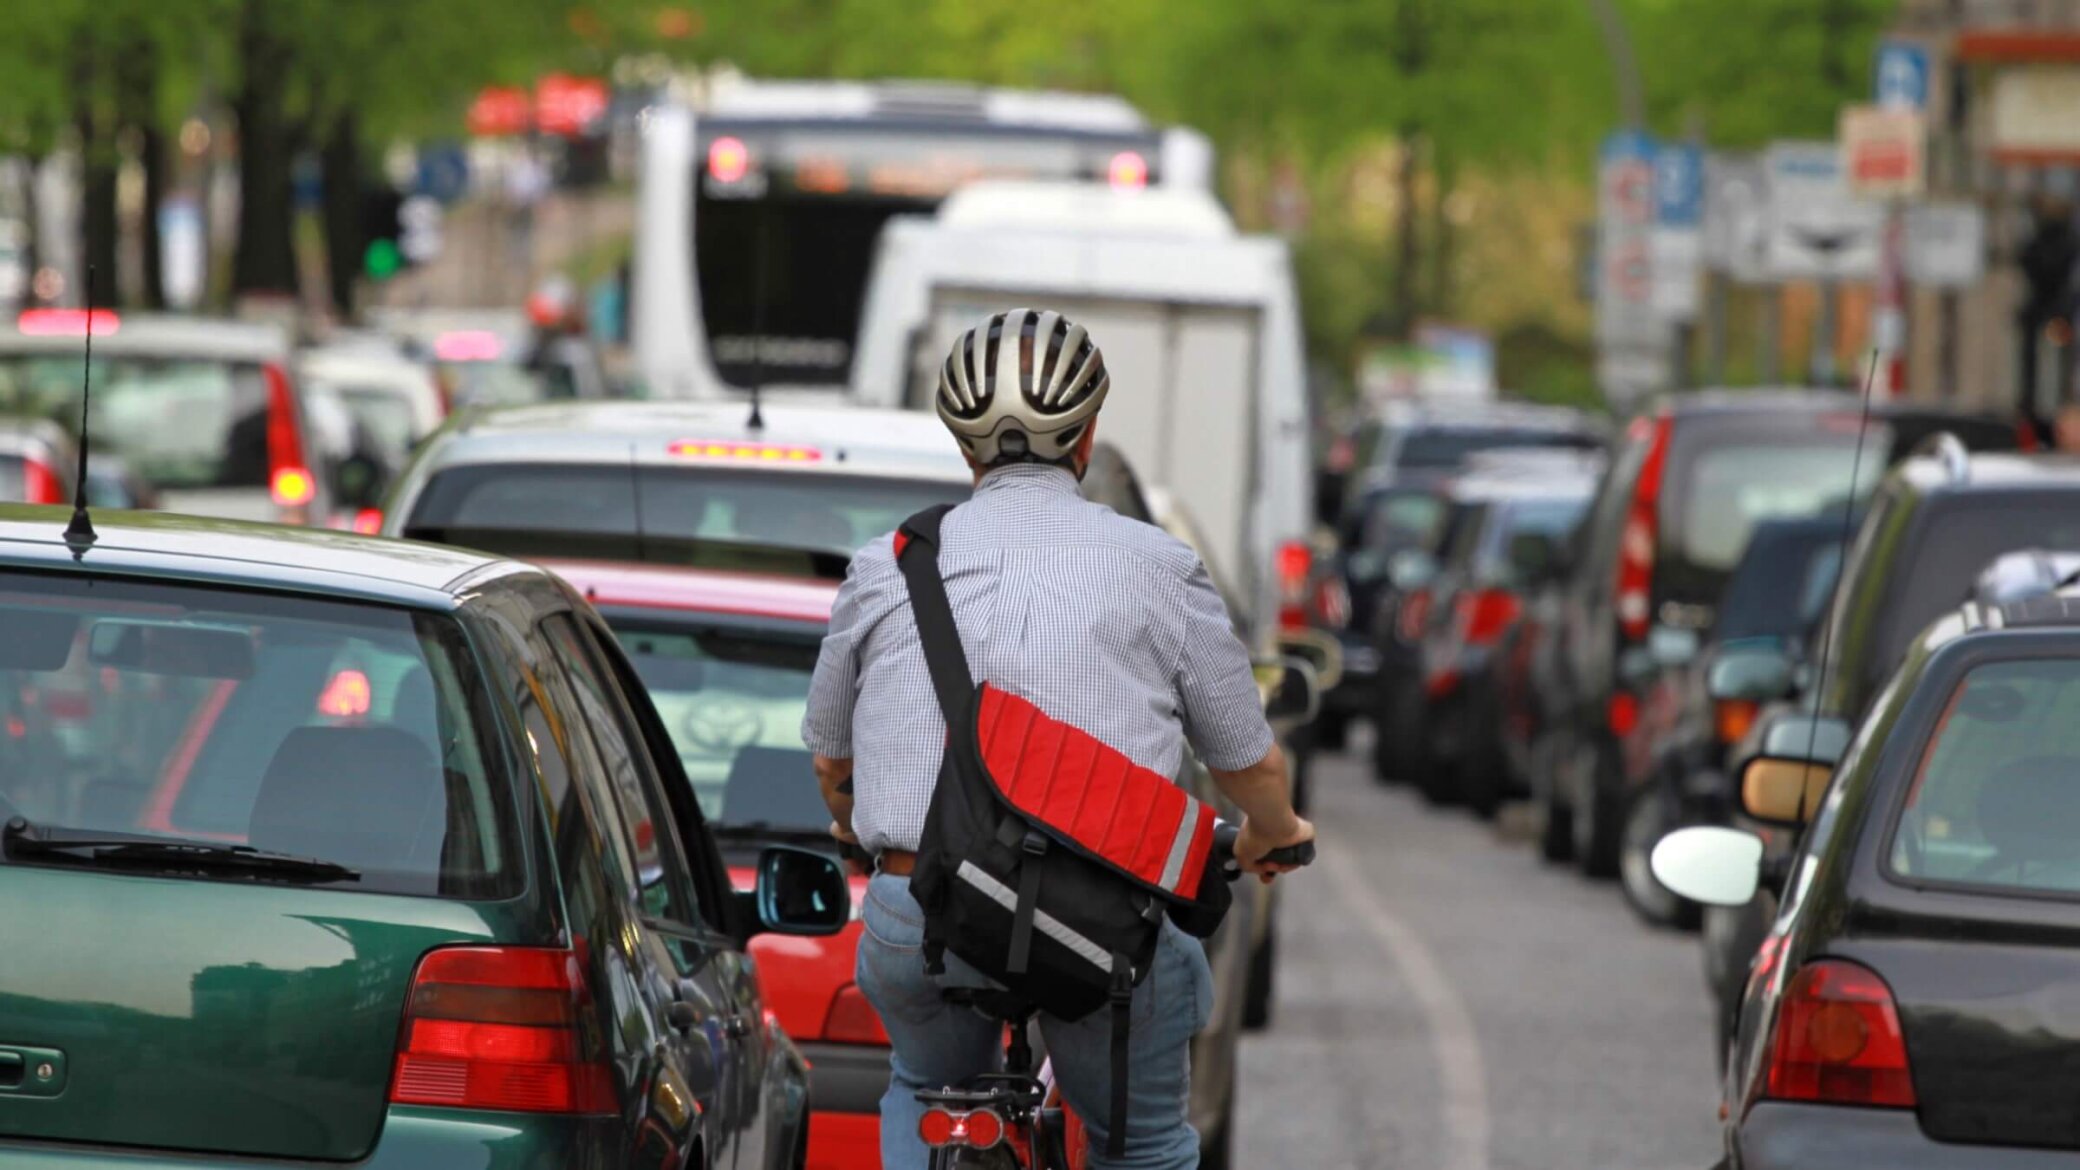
1757,671
1296,697
1670,646
801,891
1782,791
1710,864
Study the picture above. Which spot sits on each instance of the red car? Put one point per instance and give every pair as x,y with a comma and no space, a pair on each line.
726,658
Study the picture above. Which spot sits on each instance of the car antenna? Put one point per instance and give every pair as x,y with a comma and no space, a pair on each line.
1841,576
761,252
80,532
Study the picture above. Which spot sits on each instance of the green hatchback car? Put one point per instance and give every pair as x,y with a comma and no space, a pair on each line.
320,848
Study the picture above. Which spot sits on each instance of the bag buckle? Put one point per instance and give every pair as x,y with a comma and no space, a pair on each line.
1035,842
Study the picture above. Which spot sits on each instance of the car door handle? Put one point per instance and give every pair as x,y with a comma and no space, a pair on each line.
682,1015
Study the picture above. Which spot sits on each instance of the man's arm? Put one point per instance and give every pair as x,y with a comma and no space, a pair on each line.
1264,793
834,776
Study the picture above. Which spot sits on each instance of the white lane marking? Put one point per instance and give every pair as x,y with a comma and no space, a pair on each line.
1455,1045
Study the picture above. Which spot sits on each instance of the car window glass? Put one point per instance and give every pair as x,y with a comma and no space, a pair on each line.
349,733
631,784
1733,488
180,424
1449,447
1994,799
1959,542
1404,519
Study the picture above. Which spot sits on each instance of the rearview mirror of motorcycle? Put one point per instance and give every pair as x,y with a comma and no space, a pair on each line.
1710,864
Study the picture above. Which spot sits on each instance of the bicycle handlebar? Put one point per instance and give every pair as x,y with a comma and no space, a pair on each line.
1224,835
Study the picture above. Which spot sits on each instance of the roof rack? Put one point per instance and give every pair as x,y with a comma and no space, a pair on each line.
1947,449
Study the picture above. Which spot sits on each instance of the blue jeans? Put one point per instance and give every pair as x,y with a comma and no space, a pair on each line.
936,1045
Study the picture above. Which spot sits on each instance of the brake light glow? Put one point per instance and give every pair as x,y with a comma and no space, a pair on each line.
368,521
752,452
346,696
1733,717
1485,615
288,477
729,160
1622,713
1415,613
497,1028
40,483
1838,1040
468,345
1295,562
1636,544
852,1020
1127,171
68,322
980,1129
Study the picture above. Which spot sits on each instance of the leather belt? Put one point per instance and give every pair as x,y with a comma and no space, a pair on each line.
897,862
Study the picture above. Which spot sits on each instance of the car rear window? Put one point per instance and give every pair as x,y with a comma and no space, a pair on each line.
178,423
549,510
1404,519
355,734
1449,447
1994,799
1556,518
1782,584
732,698
1730,489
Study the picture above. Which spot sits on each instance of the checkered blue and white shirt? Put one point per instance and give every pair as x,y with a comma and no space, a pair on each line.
1104,622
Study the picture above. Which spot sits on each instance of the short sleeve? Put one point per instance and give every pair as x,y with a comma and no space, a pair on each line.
1217,692
834,688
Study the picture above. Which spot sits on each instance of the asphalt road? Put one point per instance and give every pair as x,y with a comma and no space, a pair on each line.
1448,1002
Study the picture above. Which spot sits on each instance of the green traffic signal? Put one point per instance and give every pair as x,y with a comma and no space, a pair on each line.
382,260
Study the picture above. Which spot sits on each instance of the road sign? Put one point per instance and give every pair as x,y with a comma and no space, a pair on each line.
1945,244
419,229
443,172
1884,151
1900,77
1817,229
1625,223
1678,236
1679,185
1736,217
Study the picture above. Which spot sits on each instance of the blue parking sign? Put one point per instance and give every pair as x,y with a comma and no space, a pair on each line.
1679,185
1900,77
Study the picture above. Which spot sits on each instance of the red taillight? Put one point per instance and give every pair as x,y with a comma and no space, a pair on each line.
729,160
1484,615
1839,1041
852,1020
978,1130
289,478
1622,713
1733,717
1415,612
1636,544
1127,171
1332,603
2026,435
40,483
1295,562
368,521
68,322
498,1028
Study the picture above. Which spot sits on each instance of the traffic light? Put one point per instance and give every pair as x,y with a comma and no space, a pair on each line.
381,257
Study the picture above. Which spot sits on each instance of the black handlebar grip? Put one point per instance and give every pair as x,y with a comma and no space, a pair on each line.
1301,854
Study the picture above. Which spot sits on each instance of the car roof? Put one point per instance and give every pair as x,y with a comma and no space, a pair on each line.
1544,483
241,554
1990,471
1757,399
844,439
610,584
166,335
1436,415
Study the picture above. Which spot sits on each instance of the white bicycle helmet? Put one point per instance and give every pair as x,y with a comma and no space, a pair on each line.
1022,387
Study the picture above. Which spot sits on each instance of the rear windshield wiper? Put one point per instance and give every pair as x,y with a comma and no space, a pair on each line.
21,839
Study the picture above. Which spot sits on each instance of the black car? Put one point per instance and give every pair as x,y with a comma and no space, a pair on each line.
1505,528
1932,528
1914,1004
1387,505
1765,618
1670,522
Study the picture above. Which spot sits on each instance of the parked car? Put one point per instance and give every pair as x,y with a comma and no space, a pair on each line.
390,403
1670,522
1932,528
1910,1005
1503,531
680,482
206,412
496,357
399,862
1389,507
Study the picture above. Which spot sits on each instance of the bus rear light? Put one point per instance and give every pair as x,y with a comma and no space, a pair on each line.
729,160
1839,1041
1128,171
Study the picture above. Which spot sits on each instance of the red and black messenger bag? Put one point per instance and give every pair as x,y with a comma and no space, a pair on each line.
1049,860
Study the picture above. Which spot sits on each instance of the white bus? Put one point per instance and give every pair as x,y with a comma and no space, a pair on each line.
760,209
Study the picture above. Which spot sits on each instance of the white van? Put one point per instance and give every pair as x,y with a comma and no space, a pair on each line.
1200,328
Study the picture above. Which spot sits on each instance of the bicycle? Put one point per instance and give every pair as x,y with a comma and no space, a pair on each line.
1015,1119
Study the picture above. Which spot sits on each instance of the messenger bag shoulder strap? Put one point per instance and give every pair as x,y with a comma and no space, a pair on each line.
917,555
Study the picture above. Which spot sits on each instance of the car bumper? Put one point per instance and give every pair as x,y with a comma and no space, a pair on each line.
1782,1135
412,1139
846,1084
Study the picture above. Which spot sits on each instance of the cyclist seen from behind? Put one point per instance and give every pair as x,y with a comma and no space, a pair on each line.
1102,643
